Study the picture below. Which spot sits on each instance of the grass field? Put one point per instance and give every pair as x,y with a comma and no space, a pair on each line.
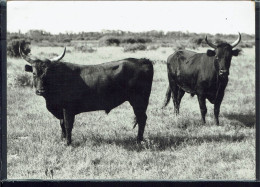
104,146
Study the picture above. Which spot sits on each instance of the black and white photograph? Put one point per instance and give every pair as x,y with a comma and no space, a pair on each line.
131,90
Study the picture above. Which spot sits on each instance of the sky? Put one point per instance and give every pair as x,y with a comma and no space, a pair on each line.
136,16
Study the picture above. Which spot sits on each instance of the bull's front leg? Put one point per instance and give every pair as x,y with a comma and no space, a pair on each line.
217,104
203,108
216,112
68,121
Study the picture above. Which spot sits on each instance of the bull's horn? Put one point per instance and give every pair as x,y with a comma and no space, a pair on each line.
237,41
56,59
210,44
25,57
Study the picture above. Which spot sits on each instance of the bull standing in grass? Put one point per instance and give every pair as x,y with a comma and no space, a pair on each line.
201,74
70,89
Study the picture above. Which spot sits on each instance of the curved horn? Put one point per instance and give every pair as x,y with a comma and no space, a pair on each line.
56,59
237,41
25,57
210,44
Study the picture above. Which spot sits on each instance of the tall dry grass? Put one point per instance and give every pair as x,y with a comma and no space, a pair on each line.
104,146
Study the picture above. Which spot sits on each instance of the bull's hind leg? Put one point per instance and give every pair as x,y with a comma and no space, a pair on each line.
139,104
178,100
63,131
175,91
203,108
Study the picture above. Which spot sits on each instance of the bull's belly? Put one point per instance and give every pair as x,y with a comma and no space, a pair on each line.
187,89
86,103
102,104
210,94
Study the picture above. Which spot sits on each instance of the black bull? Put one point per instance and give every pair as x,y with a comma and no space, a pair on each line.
201,74
70,89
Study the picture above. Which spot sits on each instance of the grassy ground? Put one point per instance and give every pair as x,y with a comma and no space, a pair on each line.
104,146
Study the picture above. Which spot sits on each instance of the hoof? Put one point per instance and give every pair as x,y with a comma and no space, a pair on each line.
68,142
63,136
140,140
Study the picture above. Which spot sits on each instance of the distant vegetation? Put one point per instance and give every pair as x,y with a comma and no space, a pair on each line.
175,39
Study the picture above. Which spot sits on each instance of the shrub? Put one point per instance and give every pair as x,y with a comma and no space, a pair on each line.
219,41
134,47
84,49
133,39
129,40
66,40
152,47
166,45
21,79
179,46
116,41
13,47
246,44
109,41
52,55
196,40
80,38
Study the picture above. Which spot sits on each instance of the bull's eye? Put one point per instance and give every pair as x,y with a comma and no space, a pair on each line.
34,74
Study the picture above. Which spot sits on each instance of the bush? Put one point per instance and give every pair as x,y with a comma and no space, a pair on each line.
166,45
196,40
133,39
116,41
246,44
134,47
152,47
109,41
66,40
20,79
179,46
219,41
13,47
84,49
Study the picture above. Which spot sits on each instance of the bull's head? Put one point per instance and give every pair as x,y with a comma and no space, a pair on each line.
39,68
223,54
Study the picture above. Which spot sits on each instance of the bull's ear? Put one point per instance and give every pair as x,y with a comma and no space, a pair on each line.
236,52
28,68
211,53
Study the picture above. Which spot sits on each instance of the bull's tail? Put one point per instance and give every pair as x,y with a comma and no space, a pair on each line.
167,97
